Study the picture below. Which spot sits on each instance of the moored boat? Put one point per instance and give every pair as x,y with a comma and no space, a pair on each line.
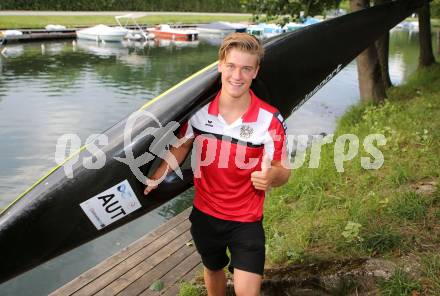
102,33
289,27
220,28
166,32
264,30
137,33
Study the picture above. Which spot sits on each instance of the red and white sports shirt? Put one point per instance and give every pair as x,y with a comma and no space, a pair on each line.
224,156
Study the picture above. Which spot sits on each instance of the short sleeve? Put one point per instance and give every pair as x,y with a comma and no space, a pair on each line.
186,130
275,145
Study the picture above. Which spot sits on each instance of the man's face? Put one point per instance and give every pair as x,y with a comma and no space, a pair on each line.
237,71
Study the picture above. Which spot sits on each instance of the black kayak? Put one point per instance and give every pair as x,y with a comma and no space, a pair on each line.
59,213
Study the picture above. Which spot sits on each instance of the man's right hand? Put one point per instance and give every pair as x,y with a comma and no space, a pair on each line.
175,156
149,188
151,184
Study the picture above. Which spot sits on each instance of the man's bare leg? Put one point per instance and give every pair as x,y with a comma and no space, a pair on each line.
215,282
246,283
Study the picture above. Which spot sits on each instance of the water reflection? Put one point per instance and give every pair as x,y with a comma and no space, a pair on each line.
102,49
52,88
12,51
80,87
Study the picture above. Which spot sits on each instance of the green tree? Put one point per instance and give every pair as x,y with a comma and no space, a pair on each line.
435,8
273,8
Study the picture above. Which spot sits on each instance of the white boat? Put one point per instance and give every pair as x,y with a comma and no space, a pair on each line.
136,34
5,34
102,33
220,28
264,30
9,33
293,26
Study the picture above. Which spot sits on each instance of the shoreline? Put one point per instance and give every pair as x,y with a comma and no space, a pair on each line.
112,13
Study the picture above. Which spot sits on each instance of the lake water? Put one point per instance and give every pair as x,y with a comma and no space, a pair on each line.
53,88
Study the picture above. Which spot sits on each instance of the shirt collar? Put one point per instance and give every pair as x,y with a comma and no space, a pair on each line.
251,114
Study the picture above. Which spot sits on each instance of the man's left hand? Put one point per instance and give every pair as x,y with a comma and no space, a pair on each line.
262,180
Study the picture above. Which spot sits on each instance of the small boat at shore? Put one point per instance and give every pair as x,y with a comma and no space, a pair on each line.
166,32
102,33
137,33
293,26
264,30
220,28
4,35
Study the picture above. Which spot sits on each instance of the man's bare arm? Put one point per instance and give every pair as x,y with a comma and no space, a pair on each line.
179,153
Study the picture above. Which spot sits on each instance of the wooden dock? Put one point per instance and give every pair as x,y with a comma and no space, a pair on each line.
165,256
39,35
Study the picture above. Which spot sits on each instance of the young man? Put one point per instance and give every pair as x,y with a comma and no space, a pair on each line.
239,146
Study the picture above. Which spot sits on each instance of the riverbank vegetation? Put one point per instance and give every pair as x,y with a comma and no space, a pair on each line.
391,213
132,5
73,21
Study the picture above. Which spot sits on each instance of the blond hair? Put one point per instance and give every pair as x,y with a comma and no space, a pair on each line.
241,41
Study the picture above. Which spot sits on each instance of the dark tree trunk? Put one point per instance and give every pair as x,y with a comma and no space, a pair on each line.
371,85
426,57
383,46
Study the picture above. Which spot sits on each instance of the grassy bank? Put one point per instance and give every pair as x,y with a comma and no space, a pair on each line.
324,214
16,22
391,212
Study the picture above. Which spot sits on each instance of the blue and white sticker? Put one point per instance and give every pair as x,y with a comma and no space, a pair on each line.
111,205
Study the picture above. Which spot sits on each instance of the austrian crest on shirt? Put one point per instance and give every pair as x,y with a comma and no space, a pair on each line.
246,131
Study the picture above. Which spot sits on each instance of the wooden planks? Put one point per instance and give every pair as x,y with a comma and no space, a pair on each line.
164,254
189,269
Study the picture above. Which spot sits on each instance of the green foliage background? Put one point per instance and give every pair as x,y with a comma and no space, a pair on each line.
435,8
124,5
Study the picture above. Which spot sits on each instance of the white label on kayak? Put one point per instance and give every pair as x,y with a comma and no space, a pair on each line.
111,205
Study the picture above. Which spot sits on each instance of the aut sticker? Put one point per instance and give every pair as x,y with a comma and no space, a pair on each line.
111,205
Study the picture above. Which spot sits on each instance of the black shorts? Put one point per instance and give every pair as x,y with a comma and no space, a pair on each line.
245,241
